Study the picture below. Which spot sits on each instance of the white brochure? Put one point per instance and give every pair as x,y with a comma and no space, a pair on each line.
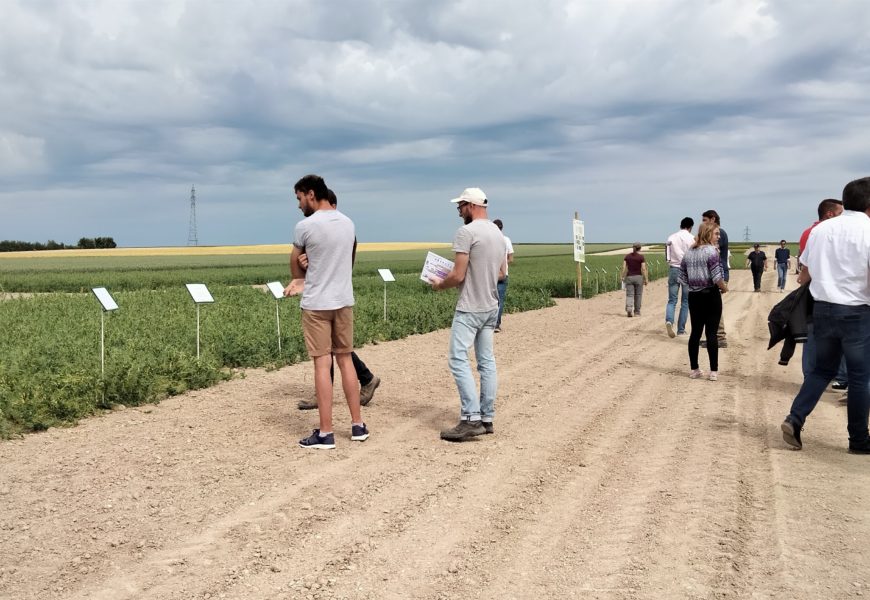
435,268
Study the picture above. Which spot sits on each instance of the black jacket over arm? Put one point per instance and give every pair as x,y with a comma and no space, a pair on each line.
788,322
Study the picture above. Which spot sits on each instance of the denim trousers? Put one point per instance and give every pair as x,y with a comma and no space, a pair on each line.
808,358
781,272
474,329
675,288
502,292
839,331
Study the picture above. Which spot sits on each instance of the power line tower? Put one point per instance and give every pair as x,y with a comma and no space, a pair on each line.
746,237
191,228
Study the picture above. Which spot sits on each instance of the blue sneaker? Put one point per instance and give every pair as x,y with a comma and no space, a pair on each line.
315,440
359,433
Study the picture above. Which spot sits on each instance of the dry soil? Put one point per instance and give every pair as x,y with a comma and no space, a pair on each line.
610,475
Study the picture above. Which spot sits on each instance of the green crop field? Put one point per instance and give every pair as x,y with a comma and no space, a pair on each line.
50,351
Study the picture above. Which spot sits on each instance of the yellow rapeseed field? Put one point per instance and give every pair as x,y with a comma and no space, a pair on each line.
211,250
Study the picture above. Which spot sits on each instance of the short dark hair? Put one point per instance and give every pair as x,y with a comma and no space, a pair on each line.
498,224
687,223
330,195
782,241
856,195
712,214
312,183
828,205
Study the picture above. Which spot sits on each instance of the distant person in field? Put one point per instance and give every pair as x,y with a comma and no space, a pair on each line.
701,270
711,216
479,249
677,245
836,262
634,276
503,282
783,263
368,381
827,209
327,238
757,263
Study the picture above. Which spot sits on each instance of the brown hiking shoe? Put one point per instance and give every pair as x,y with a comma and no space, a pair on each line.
465,430
367,392
307,404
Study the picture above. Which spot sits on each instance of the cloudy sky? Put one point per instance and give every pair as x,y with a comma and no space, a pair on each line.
635,113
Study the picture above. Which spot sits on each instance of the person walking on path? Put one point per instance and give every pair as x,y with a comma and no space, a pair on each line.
503,282
711,216
701,270
634,276
479,249
327,238
836,263
677,245
757,263
782,255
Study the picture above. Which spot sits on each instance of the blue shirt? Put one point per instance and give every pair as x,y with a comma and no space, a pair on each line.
782,255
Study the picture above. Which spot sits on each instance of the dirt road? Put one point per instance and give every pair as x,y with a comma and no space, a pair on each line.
610,475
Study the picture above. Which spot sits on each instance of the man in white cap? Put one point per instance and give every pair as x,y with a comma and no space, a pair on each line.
478,265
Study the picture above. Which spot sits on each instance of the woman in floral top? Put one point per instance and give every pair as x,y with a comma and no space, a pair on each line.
702,271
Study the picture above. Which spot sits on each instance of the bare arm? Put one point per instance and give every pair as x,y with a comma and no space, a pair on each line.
804,276
456,276
510,258
297,272
644,272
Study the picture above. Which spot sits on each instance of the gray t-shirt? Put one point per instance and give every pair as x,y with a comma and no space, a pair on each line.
485,246
327,237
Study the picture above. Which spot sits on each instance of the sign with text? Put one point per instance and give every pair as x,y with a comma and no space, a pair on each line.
579,241
386,275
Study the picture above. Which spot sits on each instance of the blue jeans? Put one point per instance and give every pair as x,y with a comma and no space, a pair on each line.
674,287
808,358
839,331
502,292
781,272
474,329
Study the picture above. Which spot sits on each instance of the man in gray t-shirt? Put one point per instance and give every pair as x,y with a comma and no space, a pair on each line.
327,238
478,265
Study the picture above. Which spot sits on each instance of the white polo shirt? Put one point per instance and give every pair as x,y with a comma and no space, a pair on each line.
838,257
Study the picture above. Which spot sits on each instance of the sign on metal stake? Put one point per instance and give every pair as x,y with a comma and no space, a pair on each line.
200,295
107,304
386,275
277,292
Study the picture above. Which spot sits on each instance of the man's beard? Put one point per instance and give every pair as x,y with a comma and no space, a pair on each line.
467,219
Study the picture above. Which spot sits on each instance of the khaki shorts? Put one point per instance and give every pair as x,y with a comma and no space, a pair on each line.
328,331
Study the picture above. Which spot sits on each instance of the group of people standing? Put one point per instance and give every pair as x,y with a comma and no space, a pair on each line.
321,265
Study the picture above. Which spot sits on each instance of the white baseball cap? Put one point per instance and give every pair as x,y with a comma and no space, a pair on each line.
472,196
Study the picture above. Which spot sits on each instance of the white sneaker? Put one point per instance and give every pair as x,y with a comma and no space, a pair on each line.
714,376
671,332
695,374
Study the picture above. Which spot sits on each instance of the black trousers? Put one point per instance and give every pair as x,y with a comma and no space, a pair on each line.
756,278
362,371
705,311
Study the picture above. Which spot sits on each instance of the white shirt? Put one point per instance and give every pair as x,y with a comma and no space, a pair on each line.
508,249
838,257
677,245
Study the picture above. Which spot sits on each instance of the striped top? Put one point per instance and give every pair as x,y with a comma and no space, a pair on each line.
701,268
